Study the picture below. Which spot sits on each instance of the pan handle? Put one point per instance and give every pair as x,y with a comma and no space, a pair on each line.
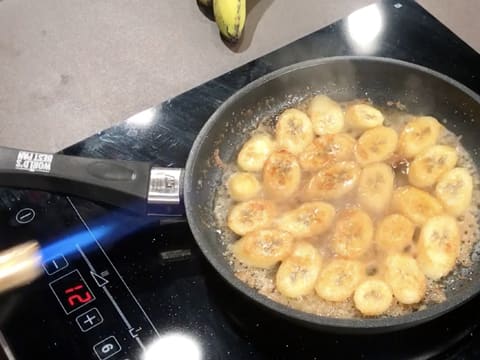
132,185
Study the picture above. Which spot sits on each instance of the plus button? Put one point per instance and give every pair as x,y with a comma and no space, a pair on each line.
88,320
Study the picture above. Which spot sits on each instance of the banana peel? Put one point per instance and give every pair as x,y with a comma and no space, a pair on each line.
230,17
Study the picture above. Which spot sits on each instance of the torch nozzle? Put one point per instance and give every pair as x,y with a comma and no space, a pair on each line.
20,265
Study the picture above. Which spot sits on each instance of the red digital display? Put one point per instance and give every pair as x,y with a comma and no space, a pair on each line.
72,291
75,297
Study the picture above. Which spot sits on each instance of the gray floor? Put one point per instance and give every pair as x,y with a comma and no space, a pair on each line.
71,68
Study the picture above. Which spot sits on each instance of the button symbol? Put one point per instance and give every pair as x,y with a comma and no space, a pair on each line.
88,320
24,216
105,349
55,265
100,280
134,332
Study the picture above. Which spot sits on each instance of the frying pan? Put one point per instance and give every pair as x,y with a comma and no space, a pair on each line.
176,192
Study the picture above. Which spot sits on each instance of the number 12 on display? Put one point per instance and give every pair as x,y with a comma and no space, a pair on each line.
72,291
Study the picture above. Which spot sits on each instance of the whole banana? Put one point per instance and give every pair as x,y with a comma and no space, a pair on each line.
230,18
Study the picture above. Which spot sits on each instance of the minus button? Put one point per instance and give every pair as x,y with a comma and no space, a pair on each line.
25,215
56,264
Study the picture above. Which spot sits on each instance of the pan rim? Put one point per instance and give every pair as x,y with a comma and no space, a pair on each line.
371,325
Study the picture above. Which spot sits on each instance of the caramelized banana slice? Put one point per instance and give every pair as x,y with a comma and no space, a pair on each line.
438,246
334,181
415,204
341,146
418,135
281,175
454,189
405,278
263,248
338,280
394,233
326,115
297,274
250,216
430,164
309,219
373,297
376,145
243,186
375,187
255,152
325,150
353,233
363,116
294,131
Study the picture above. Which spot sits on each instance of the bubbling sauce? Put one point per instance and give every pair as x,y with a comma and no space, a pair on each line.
264,280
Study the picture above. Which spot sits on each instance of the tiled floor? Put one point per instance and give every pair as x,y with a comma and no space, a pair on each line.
71,68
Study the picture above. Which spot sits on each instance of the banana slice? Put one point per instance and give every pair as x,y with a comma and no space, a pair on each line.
334,181
418,135
454,189
376,145
363,116
243,186
298,273
415,204
315,155
255,152
430,164
294,131
338,280
373,297
281,175
375,187
263,248
325,150
394,233
353,233
405,278
309,219
341,146
326,115
438,246
250,216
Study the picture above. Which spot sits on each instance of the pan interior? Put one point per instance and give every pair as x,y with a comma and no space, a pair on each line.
382,80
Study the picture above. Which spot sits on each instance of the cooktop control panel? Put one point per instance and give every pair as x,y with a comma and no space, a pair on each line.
82,292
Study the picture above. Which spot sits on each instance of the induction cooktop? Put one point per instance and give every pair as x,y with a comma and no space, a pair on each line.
145,291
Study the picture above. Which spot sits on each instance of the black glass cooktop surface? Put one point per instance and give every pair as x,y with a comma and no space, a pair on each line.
143,290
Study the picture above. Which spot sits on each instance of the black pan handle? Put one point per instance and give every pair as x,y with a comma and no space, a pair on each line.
132,185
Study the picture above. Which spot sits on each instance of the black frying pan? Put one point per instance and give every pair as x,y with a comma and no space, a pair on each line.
144,189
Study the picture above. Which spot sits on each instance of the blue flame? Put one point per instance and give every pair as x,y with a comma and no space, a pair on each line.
67,244
105,229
